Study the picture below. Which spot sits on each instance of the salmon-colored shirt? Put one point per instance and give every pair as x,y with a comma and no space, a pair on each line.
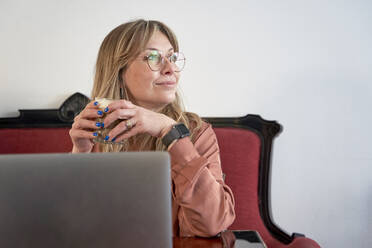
202,204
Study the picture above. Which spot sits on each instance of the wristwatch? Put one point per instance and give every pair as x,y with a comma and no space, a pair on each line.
178,131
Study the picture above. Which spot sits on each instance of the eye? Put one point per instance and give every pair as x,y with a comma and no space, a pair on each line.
173,58
154,57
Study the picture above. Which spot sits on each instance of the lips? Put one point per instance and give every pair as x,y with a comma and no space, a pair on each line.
166,83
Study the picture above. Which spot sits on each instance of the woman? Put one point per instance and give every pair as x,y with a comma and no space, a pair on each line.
139,64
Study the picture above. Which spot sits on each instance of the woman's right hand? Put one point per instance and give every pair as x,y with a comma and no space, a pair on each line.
84,128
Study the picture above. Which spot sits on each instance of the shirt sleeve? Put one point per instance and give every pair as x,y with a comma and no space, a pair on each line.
206,202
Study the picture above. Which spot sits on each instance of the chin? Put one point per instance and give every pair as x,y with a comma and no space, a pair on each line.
161,101
169,98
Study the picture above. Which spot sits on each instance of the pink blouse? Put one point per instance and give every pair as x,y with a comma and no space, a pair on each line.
202,205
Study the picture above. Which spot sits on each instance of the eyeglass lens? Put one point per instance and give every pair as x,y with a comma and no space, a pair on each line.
155,61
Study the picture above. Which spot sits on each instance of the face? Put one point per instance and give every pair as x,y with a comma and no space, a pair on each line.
152,89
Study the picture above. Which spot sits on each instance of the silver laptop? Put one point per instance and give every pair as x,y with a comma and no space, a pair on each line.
107,200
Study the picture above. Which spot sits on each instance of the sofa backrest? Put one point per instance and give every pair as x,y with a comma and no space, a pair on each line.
245,148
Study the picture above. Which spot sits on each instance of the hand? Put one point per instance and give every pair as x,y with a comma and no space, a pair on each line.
83,129
141,121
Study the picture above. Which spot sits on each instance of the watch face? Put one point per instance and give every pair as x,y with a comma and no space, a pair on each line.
183,130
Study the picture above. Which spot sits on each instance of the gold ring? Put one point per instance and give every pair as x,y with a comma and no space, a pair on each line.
128,124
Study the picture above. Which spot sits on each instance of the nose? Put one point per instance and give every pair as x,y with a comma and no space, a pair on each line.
168,67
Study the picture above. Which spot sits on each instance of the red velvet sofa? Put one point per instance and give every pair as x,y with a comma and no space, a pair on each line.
245,146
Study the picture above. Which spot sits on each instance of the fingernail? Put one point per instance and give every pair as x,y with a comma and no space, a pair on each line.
95,103
100,112
113,140
102,124
98,124
95,134
106,109
106,138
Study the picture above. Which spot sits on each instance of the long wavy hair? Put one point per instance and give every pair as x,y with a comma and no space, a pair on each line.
119,48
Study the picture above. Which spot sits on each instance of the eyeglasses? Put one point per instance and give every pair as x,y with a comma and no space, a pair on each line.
156,60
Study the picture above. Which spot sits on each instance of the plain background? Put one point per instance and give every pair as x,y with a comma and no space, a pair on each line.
306,64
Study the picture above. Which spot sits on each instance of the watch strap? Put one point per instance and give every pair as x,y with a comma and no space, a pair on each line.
178,131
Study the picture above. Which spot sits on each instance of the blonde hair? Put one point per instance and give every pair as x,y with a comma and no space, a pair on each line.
119,48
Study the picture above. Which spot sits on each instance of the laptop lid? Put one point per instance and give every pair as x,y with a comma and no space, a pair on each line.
85,200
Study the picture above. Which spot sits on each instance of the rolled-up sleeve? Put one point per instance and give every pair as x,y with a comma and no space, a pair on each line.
206,203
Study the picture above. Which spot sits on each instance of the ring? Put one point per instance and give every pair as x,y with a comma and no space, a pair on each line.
128,124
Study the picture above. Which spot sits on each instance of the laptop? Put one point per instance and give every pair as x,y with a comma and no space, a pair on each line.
101,200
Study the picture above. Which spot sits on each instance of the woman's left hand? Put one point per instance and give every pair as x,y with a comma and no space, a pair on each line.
136,120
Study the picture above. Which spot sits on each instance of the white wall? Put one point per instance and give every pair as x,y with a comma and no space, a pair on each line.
305,64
